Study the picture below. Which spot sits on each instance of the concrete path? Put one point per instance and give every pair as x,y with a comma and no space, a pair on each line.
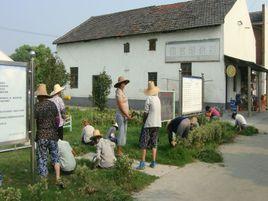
243,177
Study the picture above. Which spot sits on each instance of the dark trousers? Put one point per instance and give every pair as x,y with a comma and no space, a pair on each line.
60,132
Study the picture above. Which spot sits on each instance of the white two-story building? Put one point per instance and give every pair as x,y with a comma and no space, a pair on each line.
152,43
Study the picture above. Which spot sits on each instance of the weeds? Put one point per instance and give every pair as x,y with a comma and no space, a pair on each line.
10,194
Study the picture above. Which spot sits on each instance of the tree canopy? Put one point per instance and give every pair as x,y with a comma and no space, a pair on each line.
49,69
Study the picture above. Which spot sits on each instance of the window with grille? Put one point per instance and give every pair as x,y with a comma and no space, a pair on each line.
152,76
186,69
74,77
152,44
126,48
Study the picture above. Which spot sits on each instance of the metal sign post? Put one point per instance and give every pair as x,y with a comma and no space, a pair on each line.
32,120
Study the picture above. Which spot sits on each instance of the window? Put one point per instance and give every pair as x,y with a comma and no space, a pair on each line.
186,69
152,76
126,48
74,77
152,44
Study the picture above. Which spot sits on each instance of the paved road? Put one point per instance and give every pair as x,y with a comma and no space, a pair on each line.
242,177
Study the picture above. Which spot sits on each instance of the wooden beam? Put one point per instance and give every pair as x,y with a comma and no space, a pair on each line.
249,92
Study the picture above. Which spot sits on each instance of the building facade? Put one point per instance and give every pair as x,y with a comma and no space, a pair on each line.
154,43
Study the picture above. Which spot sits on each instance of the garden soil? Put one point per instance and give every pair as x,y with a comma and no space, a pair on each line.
242,176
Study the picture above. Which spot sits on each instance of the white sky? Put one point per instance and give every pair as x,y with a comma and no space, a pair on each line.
56,17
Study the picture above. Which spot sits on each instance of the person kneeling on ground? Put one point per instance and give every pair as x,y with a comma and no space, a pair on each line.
111,133
180,127
212,113
105,157
87,132
152,123
240,121
66,153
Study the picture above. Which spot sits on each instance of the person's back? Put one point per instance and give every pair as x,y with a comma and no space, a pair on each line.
67,160
174,123
215,112
87,133
46,114
240,119
105,152
154,112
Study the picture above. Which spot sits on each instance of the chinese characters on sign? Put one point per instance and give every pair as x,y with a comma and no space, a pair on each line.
190,51
12,104
191,95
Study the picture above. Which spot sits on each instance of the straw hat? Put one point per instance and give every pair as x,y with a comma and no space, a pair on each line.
42,90
96,134
152,89
121,80
194,120
57,89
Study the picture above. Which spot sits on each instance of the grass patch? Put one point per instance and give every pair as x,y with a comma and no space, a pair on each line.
109,185
249,131
210,155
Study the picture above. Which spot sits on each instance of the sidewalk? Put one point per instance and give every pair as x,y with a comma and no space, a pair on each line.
243,176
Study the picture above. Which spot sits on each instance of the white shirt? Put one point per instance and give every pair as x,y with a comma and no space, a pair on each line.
153,108
105,153
67,160
60,106
121,96
87,133
240,120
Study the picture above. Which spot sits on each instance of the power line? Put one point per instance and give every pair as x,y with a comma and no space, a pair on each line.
27,32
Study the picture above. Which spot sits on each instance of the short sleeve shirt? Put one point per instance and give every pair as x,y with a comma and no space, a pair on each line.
46,114
153,109
60,106
121,96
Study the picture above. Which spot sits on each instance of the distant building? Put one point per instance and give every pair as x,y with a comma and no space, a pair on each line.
4,57
152,43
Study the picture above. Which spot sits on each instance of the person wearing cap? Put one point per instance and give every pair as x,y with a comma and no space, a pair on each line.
56,98
111,133
46,115
180,127
152,123
122,113
87,132
105,157
240,121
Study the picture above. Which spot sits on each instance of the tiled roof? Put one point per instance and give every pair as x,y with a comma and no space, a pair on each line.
154,19
256,17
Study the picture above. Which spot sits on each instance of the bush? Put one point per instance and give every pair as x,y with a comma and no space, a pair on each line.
101,90
123,171
10,194
38,190
249,131
210,155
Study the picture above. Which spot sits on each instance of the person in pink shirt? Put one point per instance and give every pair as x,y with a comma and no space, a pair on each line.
212,113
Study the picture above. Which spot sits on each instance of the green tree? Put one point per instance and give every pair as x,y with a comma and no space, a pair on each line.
49,69
101,89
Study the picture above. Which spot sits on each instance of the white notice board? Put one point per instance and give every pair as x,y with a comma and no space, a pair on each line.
191,95
13,103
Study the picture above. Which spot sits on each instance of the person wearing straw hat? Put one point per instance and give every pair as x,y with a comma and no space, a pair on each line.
46,115
122,113
152,123
56,98
105,157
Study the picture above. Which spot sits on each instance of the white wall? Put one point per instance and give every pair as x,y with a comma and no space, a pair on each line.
107,54
239,40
